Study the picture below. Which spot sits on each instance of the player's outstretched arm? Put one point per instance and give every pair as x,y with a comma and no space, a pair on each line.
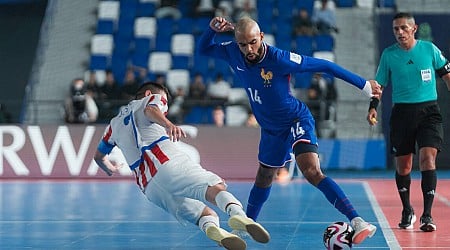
105,164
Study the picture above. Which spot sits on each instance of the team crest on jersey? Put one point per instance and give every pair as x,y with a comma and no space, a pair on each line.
267,77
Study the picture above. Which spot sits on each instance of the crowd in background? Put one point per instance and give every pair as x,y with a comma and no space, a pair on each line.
99,101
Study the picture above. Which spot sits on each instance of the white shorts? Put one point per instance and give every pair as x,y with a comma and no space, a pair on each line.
180,185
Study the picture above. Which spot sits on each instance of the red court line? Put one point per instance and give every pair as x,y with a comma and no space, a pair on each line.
386,194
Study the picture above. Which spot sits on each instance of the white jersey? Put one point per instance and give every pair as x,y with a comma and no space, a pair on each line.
168,176
134,133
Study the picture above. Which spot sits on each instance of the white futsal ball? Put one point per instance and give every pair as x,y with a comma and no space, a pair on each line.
338,236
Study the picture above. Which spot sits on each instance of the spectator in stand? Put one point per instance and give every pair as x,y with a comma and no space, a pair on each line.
197,89
168,9
245,8
176,110
130,86
324,18
302,24
79,106
219,89
218,115
161,79
109,97
92,86
109,91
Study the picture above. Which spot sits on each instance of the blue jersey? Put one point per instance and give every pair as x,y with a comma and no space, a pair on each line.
268,82
284,120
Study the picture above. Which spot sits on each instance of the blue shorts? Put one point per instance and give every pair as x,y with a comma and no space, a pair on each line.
276,146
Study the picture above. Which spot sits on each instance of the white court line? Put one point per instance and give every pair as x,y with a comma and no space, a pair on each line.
442,199
389,235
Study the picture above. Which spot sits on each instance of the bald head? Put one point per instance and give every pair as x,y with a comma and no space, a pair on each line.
249,38
246,25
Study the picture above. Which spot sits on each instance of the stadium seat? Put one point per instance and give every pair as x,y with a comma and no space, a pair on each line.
182,44
201,64
284,41
345,3
327,55
125,28
304,45
101,44
266,23
270,39
324,42
201,24
236,115
283,27
119,65
386,3
146,8
121,45
139,59
178,78
285,10
220,66
128,9
98,62
308,5
145,27
237,96
108,10
164,35
159,62
265,8
105,26
142,45
184,25
365,3
181,62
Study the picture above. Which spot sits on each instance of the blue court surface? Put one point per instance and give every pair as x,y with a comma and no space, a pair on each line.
115,215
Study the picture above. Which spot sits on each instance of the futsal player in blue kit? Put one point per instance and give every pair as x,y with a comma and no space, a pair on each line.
286,123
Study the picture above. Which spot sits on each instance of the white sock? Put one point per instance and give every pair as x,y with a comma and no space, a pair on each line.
208,220
229,204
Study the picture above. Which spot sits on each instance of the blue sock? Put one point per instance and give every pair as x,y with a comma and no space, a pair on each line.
336,197
256,200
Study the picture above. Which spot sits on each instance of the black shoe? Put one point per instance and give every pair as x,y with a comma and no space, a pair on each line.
427,224
408,219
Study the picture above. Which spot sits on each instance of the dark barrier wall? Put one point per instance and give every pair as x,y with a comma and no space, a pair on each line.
19,28
433,28
66,152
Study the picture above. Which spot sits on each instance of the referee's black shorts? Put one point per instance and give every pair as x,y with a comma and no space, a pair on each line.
419,123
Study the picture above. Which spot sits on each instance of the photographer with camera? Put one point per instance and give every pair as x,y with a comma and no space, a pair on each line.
80,106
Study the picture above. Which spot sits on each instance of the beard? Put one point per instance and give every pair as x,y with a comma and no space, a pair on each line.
257,56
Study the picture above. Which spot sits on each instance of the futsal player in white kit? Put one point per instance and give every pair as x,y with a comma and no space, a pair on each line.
166,175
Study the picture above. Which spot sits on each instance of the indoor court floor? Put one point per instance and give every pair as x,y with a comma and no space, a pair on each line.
95,214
